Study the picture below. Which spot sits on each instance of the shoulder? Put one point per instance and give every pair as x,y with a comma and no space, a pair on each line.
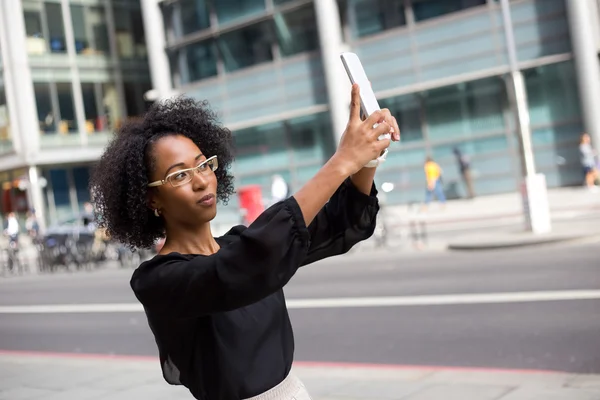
148,274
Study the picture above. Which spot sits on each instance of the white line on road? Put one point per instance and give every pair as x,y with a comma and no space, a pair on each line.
343,302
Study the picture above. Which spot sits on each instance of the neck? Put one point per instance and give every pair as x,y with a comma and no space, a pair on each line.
190,240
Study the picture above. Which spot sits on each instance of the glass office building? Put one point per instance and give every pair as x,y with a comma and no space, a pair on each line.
72,72
439,65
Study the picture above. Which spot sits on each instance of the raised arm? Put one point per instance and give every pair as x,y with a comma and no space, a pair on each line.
263,258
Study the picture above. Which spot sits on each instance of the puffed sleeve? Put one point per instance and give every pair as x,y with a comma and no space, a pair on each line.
256,263
348,218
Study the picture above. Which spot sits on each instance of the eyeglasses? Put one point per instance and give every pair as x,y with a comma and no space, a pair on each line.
184,176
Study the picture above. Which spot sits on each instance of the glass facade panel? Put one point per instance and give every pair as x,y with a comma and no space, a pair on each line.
81,179
407,111
552,94
297,31
374,16
5,134
194,16
68,121
201,60
60,190
110,117
90,105
247,46
309,138
230,10
129,33
426,9
262,147
555,114
56,28
43,102
465,110
36,43
89,29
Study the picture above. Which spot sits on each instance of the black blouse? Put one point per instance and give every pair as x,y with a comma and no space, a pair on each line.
220,321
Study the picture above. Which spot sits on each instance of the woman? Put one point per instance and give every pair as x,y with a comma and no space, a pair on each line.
216,305
588,162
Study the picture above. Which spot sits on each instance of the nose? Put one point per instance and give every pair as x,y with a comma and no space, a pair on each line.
199,181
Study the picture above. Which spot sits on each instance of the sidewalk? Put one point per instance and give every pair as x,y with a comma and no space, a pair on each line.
489,222
59,377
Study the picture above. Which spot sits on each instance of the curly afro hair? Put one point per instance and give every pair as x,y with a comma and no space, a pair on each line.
119,181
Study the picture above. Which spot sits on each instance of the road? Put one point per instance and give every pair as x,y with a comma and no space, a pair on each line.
555,335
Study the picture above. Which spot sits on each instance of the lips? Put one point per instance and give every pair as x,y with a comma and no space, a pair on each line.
207,200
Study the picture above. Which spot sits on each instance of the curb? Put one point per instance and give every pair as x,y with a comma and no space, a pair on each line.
331,365
507,244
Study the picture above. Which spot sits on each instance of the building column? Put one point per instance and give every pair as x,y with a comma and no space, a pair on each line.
154,29
583,41
25,132
75,79
336,79
36,195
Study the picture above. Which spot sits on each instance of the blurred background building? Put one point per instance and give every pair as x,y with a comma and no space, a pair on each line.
70,73
439,65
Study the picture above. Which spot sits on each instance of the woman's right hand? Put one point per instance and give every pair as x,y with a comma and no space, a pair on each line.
360,143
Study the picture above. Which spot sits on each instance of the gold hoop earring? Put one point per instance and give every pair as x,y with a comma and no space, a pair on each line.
156,213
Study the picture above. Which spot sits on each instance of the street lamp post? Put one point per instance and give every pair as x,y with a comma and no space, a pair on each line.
533,187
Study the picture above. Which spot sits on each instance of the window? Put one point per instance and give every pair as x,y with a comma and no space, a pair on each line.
194,16
407,111
230,10
60,190
261,147
426,9
90,106
56,28
129,33
33,24
134,97
68,120
308,137
89,29
247,46
81,178
201,60
465,110
297,31
4,118
551,95
372,17
43,102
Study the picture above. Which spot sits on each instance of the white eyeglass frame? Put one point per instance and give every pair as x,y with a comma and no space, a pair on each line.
194,170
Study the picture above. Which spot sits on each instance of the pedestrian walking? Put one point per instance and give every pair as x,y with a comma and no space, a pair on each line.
433,177
215,304
588,162
464,165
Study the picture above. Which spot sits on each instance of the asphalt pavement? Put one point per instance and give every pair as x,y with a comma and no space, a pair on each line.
547,334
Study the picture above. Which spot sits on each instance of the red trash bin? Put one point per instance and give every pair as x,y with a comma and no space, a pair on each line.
251,203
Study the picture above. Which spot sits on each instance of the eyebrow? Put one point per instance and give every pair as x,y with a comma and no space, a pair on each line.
181,164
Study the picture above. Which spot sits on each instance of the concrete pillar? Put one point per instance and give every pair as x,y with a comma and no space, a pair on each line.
75,79
332,45
587,67
18,82
536,209
154,29
36,196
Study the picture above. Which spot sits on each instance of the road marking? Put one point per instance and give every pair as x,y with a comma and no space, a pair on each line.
342,302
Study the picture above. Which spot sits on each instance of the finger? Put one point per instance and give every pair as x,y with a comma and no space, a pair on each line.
396,135
374,118
382,145
381,129
355,103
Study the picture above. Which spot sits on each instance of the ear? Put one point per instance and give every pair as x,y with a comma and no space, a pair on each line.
152,200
